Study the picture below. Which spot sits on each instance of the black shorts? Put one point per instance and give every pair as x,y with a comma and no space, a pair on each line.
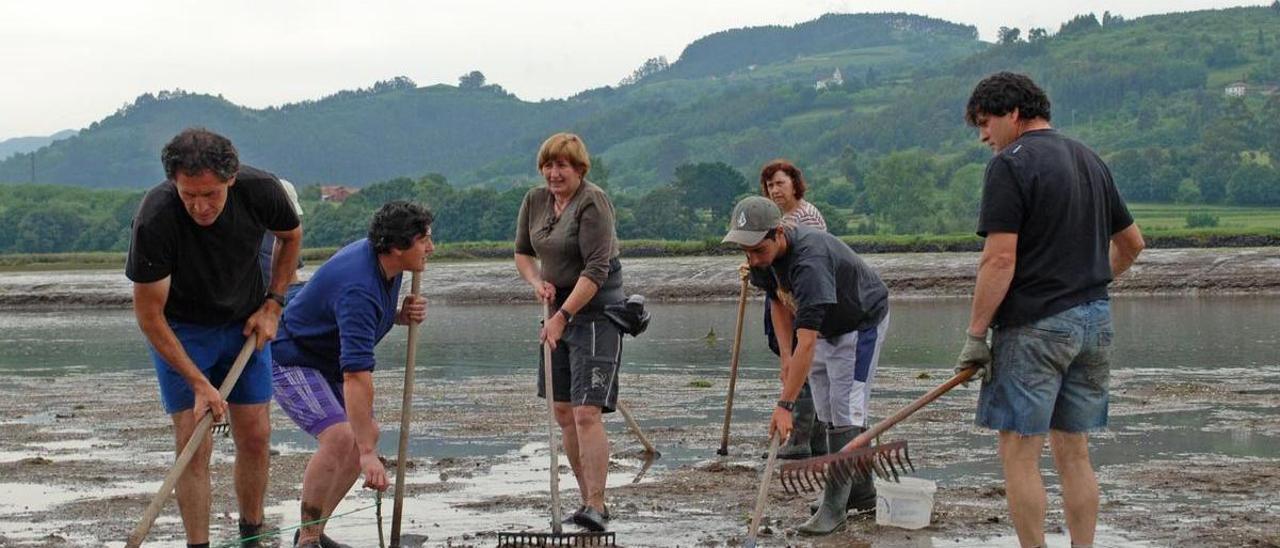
585,364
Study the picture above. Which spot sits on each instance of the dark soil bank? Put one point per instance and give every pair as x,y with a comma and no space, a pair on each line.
1158,271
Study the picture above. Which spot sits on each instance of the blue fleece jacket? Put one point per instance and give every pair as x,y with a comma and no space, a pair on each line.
334,322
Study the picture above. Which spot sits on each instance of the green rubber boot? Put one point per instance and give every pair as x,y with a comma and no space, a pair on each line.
862,493
831,514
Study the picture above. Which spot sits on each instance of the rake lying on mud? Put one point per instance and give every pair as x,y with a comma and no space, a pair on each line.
857,460
527,540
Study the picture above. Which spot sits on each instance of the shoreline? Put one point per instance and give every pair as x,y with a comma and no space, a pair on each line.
1188,271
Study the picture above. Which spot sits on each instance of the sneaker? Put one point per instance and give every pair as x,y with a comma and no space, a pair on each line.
590,519
572,518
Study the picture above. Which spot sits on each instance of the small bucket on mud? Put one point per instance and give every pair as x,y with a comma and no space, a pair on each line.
906,503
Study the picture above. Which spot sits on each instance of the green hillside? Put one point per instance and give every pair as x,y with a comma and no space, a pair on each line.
885,151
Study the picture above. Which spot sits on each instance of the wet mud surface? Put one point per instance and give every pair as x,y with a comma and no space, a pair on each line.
81,455
1159,271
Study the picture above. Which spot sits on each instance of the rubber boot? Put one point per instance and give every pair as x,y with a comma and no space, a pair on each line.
802,421
818,439
862,493
831,514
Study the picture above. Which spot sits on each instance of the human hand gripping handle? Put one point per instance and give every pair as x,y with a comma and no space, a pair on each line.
412,311
975,354
780,423
208,400
375,474
264,322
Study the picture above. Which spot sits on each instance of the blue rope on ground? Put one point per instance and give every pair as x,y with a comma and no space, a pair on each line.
377,503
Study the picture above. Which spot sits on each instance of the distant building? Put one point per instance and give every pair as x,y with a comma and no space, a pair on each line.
336,193
835,80
1237,89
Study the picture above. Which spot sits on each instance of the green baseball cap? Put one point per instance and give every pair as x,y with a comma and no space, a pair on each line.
752,218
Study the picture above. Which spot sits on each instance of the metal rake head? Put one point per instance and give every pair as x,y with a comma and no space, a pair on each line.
528,540
886,461
222,428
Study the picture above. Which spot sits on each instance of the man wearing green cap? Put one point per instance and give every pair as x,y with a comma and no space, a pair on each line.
838,308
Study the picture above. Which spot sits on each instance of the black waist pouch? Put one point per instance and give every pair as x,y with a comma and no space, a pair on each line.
629,315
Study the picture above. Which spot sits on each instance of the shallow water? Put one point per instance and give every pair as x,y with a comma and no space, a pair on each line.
1158,339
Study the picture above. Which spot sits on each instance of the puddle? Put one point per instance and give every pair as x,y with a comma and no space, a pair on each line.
20,498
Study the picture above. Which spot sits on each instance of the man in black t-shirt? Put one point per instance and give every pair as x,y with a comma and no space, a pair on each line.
1057,232
838,308
198,294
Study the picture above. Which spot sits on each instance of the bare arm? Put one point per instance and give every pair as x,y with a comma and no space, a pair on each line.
284,267
798,370
357,390
527,265
148,307
1125,247
995,273
284,262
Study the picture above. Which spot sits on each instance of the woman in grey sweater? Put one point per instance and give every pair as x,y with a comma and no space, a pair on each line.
568,226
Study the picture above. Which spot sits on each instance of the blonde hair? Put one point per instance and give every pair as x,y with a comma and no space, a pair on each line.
565,146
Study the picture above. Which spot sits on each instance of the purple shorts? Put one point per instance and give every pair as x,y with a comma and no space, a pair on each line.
306,396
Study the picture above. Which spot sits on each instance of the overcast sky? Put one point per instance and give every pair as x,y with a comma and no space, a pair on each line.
65,64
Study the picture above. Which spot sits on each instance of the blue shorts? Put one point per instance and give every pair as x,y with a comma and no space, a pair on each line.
213,348
1052,373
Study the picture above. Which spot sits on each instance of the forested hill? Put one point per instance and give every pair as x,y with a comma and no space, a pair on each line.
397,129
1147,93
724,52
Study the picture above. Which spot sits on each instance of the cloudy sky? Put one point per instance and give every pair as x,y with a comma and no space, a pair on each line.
65,64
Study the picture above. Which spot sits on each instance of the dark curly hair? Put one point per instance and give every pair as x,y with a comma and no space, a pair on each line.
397,223
797,177
1001,93
197,150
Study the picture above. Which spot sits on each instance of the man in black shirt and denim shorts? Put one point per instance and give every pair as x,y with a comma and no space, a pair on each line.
838,308
1057,232
198,294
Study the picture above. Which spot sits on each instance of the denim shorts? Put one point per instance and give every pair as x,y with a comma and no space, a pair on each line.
1052,373
213,348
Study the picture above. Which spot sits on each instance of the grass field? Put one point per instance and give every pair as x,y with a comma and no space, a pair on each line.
1156,218
1165,225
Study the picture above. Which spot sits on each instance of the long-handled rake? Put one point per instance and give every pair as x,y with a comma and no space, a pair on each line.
189,450
886,460
557,536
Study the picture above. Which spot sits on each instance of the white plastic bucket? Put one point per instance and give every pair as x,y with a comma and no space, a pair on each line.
907,504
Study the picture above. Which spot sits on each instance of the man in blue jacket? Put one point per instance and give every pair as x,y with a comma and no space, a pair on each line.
323,357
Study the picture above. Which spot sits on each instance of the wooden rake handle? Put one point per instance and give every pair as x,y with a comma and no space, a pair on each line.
189,451
762,495
733,371
553,444
864,439
406,414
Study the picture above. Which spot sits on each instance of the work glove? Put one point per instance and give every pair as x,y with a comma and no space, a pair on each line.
976,353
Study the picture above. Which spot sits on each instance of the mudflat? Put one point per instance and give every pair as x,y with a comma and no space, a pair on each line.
1217,271
81,455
